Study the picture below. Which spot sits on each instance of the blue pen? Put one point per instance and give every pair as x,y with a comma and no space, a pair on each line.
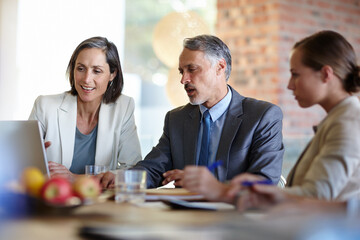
214,165
250,183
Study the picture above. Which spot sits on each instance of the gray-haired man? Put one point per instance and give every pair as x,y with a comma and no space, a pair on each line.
244,133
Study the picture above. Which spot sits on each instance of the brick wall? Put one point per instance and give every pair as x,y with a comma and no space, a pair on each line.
260,35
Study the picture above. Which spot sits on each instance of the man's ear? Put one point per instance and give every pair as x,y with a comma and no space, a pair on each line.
327,73
221,66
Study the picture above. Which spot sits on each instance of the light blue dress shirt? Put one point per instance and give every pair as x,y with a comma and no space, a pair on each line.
218,116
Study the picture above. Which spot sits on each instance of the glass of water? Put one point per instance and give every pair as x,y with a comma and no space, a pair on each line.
130,186
95,169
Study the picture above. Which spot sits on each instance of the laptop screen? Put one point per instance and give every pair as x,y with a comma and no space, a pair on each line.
21,146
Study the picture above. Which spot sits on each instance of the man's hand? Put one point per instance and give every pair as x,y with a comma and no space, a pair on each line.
201,180
107,180
174,175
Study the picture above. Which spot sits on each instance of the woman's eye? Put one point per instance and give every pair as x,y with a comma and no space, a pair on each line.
294,75
80,69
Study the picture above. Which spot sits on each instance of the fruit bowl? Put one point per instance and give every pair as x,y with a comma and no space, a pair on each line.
40,207
18,205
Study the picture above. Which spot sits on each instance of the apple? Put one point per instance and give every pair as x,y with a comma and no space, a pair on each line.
33,180
86,187
57,191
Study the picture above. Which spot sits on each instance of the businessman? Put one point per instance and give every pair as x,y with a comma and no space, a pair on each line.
217,124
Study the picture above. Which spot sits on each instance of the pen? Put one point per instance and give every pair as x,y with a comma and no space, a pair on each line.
245,191
250,183
214,165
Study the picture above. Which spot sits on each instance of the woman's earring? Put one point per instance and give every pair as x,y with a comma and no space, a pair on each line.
109,85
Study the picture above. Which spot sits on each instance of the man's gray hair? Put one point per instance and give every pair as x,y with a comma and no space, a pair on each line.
213,48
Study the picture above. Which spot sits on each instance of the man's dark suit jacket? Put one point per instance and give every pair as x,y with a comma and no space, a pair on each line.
251,141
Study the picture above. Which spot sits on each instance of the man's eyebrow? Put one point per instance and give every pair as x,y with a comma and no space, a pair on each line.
189,65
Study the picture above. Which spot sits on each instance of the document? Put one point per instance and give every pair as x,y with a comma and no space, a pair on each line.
158,194
184,205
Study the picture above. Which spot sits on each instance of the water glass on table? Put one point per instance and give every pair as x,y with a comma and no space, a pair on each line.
95,169
130,186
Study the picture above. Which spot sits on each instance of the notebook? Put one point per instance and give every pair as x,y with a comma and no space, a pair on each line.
21,146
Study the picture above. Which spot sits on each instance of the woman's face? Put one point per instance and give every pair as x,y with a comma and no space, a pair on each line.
305,83
92,75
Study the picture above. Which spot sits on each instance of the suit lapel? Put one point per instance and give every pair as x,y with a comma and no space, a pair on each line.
232,123
67,127
191,132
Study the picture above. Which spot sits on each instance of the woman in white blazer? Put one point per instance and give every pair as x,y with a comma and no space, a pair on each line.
93,123
324,71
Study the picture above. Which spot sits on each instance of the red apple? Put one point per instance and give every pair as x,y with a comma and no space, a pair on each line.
57,191
86,187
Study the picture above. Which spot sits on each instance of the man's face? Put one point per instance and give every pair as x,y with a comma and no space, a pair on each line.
203,81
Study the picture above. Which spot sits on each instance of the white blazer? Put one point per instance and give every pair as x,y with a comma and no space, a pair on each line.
117,139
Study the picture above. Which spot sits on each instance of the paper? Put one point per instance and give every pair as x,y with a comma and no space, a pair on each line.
183,205
171,193
166,197
155,194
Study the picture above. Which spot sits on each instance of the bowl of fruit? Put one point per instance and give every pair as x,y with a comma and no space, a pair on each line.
58,195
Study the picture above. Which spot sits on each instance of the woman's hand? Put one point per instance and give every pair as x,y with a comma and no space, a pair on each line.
261,196
47,144
59,170
235,184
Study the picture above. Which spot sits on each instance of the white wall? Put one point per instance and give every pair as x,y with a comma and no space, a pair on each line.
8,73
37,38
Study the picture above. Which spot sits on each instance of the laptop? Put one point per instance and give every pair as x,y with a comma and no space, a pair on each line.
21,146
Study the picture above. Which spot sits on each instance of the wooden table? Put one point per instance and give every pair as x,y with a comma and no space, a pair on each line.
156,221
123,216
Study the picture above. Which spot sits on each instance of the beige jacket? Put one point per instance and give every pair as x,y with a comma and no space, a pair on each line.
330,166
117,139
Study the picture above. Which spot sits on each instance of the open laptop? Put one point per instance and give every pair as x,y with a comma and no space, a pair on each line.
21,146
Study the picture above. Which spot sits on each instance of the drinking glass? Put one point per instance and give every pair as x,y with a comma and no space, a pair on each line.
95,169
130,186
